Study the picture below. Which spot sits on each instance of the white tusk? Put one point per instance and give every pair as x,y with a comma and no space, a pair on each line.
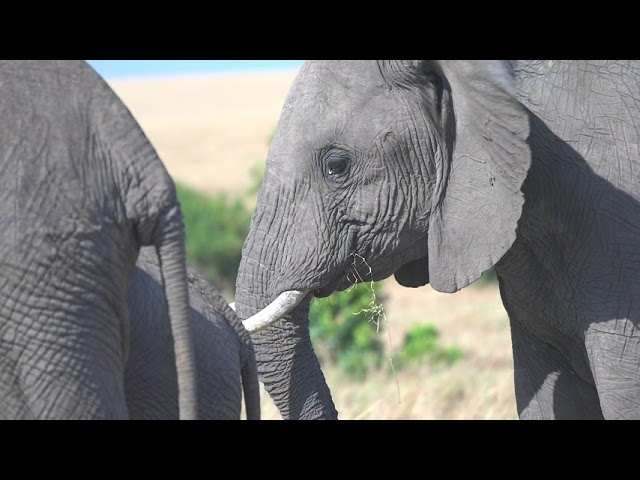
273,312
233,306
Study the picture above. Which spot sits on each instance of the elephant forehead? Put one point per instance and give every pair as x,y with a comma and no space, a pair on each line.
344,73
333,86
341,108
311,130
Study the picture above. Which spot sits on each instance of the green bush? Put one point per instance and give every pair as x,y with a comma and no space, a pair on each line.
215,228
488,277
421,342
256,173
343,330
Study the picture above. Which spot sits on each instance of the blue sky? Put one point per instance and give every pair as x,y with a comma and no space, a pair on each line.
113,69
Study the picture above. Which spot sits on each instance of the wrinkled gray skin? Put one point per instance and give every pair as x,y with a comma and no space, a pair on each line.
81,189
435,171
225,359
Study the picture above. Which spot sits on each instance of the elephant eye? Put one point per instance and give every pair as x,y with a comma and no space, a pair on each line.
336,164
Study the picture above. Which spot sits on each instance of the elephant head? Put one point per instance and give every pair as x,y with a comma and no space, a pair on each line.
411,168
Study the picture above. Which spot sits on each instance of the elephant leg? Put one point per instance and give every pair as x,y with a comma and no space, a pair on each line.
614,353
546,385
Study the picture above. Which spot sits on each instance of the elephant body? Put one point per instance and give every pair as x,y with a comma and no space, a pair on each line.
81,189
570,282
435,171
226,365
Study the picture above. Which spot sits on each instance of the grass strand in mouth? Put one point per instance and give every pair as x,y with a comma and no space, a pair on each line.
374,311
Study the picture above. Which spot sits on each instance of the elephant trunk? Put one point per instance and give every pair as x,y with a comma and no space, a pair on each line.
287,363
172,257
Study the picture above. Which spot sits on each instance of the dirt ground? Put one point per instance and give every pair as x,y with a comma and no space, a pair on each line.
210,131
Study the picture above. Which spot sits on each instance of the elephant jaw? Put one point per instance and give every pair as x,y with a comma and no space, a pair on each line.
273,312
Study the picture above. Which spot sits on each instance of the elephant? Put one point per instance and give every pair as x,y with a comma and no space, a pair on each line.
435,171
82,189
225,359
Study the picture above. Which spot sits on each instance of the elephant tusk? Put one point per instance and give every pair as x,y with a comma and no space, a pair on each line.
273,312
233,306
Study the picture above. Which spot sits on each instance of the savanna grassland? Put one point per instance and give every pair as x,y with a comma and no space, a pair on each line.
210,132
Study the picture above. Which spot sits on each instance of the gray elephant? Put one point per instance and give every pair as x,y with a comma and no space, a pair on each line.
81,189
435,171
225,359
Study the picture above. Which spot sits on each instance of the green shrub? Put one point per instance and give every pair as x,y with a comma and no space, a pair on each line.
256,173
488,277
421,342
343,330
215,228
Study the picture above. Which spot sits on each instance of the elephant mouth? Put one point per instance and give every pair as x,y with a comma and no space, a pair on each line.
356,270
348,276
335,286
322,292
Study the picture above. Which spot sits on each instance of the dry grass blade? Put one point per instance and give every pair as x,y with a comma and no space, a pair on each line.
374,311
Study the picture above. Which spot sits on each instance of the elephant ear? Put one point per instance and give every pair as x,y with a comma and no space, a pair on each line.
478,202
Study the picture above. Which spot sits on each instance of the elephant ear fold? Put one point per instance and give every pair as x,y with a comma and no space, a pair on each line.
478,203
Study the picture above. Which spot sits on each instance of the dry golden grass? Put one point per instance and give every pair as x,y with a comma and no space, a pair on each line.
210,131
